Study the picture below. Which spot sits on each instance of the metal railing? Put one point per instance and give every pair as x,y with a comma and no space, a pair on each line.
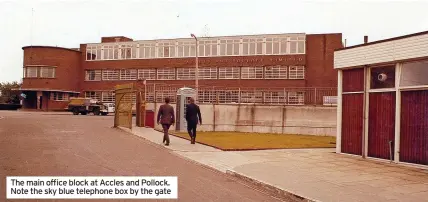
241,95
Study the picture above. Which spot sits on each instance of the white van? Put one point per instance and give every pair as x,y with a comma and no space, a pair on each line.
110,107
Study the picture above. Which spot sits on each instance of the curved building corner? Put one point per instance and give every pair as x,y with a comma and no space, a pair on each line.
50,77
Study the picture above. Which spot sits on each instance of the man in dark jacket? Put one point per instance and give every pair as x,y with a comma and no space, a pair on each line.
193,114
166,118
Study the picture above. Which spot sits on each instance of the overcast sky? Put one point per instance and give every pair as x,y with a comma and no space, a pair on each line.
70,23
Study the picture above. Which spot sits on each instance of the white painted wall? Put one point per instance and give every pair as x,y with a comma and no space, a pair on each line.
401,49
266,119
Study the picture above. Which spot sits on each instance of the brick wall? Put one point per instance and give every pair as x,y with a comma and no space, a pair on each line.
70,74
67,64
319,59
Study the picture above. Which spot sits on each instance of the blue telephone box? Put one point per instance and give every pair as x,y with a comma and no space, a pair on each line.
183,97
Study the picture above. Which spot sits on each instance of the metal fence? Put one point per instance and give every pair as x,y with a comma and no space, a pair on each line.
241,95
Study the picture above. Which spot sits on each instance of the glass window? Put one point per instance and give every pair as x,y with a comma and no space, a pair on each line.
128,74
301,47
296,72
275,97
296,98
284,46
253,46
32,72
201,48
228,96
222,47
59,96
110,75
293,47
251,96
166,74
47,72
116,52
208,73
414,74
207,96
108,96
245,47
269,46
276,72
92,75
382,77
148,74
185,73
93,94
251,72
275,46
228,73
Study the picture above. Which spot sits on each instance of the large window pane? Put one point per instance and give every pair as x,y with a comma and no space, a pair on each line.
382,77
414,74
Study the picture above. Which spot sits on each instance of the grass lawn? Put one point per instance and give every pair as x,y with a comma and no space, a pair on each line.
253,141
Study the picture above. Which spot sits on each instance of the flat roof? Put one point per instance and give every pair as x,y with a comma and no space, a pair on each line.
43,89
384,40
202,37
69,49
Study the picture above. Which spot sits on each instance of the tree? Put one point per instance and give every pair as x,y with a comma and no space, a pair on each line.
7,95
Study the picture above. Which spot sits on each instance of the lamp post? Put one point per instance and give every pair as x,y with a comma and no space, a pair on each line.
196,67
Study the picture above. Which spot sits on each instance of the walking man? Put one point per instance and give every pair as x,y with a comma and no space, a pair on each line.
193,114
166,118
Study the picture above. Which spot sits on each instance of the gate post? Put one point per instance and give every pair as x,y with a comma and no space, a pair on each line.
141,105
138,108
141,110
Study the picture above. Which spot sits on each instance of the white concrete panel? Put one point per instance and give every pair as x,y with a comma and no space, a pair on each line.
268,119
401,49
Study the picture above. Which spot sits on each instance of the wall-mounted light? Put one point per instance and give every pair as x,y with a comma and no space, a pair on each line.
382,77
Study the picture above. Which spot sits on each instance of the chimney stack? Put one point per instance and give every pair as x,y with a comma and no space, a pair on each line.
366,39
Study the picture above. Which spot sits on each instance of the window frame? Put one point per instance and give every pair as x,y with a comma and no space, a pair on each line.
296,71
169,75
255,71
271,71
97,72
225,71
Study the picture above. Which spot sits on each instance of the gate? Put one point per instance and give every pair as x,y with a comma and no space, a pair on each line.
124,102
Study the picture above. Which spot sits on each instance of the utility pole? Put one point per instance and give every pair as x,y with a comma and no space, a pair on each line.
196,67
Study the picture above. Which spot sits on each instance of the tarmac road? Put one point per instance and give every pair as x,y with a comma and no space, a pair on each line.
58,144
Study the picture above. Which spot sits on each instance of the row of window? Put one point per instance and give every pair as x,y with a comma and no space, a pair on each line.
39,72
206,48
61,96
270,72
226,96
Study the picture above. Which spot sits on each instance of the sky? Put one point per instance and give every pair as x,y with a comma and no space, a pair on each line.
74,22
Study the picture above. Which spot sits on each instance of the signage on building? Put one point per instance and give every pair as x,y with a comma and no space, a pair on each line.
297,60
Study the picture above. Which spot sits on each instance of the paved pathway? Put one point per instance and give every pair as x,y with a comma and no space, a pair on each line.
60,144
317,174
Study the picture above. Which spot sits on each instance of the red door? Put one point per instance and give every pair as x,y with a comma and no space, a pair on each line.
414,127
381,125
150,119
352,123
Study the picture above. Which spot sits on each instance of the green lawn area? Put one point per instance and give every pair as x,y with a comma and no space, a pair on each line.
250,141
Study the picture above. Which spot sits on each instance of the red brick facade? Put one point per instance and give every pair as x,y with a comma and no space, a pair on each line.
71,65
